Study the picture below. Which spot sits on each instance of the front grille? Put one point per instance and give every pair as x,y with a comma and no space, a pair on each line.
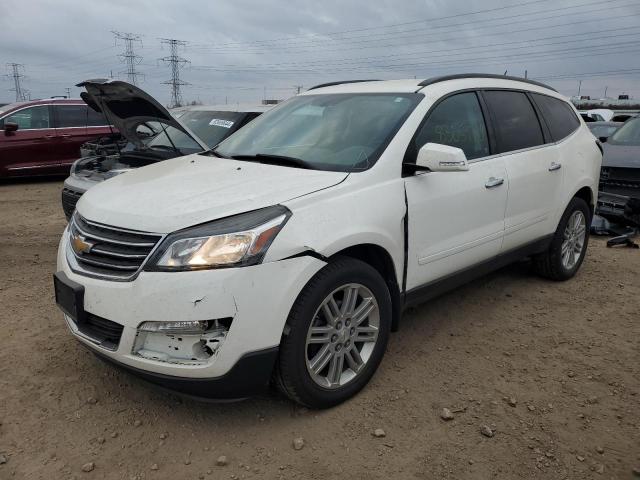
620,181
69,200
105,332
109,252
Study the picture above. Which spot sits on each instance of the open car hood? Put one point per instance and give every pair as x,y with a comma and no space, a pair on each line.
127,107
186,191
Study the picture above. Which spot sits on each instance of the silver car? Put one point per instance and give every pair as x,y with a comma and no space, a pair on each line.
149,133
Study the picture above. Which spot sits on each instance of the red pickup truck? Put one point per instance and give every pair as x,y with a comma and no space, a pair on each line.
43,137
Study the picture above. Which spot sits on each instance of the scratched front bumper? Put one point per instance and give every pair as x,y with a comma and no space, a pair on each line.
258,298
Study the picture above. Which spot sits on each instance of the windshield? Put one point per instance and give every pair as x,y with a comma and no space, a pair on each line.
211,127
167,137
340,132
627,134
602,130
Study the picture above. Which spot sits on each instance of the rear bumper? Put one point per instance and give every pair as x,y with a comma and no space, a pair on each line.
248,377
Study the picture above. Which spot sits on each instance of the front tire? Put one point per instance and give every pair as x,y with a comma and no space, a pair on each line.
569,245
336,335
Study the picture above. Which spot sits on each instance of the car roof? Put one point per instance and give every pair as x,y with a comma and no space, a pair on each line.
40,101
233,107
448,82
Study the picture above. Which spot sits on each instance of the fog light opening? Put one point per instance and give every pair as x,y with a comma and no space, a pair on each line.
184,342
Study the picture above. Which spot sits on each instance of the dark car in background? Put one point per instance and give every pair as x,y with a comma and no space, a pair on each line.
602,130
43,137
620,173
623,117
149,133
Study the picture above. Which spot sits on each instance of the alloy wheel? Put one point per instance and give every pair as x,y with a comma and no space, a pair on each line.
342,335
575,234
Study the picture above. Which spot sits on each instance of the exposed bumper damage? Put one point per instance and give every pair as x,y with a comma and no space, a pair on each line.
182,344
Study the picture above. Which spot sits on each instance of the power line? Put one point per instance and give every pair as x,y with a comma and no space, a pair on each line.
571,76
434,53
342,32
21,93
176,63
129,57
367,39
439,60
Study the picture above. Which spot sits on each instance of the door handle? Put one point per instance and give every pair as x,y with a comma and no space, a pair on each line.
494,182
49,137
66,135
555,166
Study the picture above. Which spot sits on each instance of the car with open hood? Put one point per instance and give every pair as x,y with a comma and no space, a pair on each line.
289,251
620,174
44,137
146,133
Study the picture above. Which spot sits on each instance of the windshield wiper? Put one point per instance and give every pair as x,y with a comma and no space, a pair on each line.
274,160
213,153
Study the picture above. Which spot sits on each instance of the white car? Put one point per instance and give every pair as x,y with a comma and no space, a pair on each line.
291,250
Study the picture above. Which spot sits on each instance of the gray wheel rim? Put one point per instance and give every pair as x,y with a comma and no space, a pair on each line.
575,234
342,336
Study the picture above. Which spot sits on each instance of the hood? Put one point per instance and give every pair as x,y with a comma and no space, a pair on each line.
186,191
621,156
127,107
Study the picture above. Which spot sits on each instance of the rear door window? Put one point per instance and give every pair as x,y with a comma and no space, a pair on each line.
456,121
95,119
30,118
560,118
514,120
68,116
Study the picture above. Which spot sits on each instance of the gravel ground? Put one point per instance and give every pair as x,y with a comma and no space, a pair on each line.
541,381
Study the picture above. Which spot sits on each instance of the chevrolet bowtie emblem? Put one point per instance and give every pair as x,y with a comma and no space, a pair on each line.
80,244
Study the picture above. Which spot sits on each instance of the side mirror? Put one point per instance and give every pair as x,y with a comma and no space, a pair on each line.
434,157
602,139
10,127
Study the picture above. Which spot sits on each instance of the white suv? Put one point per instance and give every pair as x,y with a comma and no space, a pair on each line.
290,251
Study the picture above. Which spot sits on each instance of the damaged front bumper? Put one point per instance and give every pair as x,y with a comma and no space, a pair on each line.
209,333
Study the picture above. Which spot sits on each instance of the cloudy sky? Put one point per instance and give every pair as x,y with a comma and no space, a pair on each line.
244,50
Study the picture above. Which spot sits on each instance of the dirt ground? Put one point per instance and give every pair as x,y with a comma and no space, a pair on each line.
552,368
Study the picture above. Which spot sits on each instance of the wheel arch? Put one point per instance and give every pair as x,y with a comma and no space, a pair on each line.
380,259
586,194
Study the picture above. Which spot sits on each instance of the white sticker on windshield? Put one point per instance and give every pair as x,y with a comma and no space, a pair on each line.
216,122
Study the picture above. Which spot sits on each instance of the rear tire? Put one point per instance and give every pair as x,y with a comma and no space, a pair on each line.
336,334
569,244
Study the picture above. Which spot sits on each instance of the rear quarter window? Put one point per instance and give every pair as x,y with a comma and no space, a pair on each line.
514,120
560,117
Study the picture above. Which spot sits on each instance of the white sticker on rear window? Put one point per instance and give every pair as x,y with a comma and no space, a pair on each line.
216,122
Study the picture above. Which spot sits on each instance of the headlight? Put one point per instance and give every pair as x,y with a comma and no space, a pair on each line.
234,241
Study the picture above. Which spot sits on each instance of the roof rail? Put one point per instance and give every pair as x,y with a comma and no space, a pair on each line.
444,78
331,84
